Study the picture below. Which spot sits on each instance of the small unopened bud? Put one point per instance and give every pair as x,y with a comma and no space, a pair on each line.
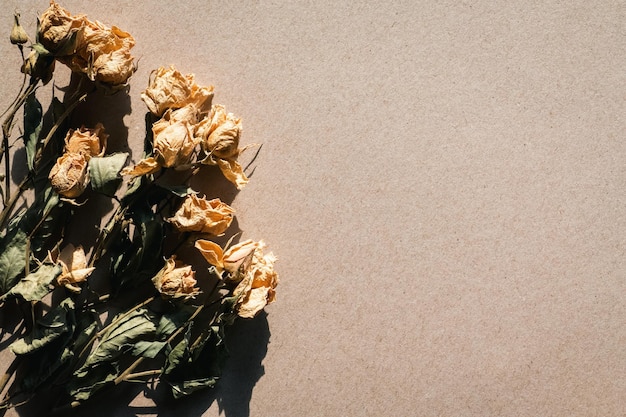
18,34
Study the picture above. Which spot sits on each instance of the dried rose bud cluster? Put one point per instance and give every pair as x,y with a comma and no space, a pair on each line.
100,52
189,120
70,175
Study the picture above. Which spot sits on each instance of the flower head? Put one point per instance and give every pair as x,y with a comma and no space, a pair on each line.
57,27
88,142
74,267
219,134
69,176
92,48
173,140
176,280
205,216
169,89
258,287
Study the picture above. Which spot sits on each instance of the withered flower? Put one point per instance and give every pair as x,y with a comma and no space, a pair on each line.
205,216
173,140
219,134
231,260
88,47
74,267
169,89
258,287
88,142
103,54
69,176
176,280
57,27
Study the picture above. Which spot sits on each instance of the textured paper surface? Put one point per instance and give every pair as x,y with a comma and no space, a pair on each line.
443,183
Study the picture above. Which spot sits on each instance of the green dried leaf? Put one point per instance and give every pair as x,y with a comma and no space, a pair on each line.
40,49
12,258
183,388
148,349
139,325
36,285
104,173
58,321
33,121
87,381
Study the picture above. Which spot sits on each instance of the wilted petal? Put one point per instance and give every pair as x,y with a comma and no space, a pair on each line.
233,172
212,252
144,167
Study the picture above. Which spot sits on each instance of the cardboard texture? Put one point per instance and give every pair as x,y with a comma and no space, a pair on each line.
443,183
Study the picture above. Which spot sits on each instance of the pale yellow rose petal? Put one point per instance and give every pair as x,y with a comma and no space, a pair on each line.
233,172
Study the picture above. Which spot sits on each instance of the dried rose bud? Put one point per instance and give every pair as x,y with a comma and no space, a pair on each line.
176,280
88,142
169,89
258,287
38,66
18,34
204,216
173,141
57,27
74,267
219,135
69,176
231,260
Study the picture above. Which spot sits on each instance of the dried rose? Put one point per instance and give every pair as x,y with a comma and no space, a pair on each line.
258,287
169,89
219,134
69,176
103,54
173,140
88,142
205,216
57,26
176,280
88,47
74,267
231,260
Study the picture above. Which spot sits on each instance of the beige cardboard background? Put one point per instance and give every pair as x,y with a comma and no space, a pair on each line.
443,183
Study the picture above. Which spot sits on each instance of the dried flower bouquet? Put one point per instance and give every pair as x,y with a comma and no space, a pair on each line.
164,314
